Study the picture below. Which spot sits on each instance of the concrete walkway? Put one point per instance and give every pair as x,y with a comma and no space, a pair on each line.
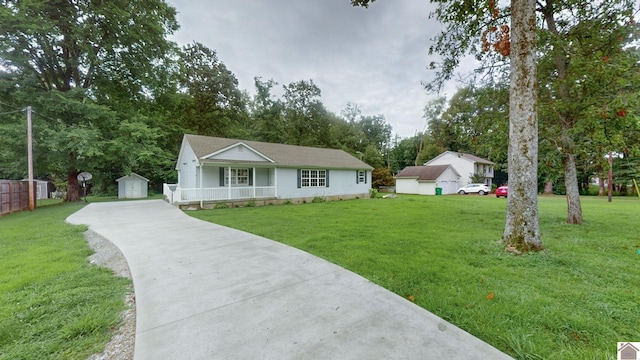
205,291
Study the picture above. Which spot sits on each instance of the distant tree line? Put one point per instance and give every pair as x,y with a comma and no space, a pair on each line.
111,94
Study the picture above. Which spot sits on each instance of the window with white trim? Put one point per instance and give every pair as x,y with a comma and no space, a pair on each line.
313,178
236,176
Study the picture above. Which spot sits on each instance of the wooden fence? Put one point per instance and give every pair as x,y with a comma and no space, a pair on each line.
14,196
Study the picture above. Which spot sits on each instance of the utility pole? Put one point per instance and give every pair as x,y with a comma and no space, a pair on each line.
32,200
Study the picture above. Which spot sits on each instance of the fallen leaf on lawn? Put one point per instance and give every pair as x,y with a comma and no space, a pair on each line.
411,298
490,296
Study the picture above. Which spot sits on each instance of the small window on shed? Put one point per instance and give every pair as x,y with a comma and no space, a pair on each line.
362,176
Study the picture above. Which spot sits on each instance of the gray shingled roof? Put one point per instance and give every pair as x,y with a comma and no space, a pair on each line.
430,172
470,157
477,159
283,155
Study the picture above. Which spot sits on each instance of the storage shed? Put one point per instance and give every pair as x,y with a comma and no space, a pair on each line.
41,187
132,186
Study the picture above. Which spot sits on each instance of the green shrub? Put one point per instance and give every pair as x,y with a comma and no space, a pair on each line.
221,206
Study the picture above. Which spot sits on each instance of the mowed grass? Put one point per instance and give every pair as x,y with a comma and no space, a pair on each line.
53,303
573,301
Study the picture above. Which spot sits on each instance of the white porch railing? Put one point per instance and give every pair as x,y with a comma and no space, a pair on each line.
217,194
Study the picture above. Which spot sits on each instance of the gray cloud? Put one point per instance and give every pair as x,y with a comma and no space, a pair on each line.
375,57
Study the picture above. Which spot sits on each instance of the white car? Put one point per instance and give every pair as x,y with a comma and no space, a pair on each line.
480,189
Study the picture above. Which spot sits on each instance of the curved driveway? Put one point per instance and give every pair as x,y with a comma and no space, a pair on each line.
205,291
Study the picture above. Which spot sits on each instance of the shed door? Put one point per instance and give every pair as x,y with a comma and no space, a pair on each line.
132,189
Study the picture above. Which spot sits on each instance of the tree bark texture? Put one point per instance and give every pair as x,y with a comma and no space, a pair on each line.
521,233
574,208
73,193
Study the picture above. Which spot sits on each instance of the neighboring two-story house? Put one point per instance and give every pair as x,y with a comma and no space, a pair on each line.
466,165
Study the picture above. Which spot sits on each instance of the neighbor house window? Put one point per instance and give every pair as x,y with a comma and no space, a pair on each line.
313,178
236,176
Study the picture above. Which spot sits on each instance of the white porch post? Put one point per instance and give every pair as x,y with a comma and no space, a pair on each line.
201,194
229,183
254,182
275,182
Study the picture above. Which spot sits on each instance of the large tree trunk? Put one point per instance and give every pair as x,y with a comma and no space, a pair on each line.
73,193
521,232
548,188
574,209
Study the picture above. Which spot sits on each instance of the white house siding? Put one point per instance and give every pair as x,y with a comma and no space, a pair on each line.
341,182
187,170
264,177
210,176
463,166
448,181
407,186
448,186
414,186
426,188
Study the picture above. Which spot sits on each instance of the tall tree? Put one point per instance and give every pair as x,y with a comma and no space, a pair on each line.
305,115
522,232
217,106
404,152
376,132
464,22
75,56
267,113
583,54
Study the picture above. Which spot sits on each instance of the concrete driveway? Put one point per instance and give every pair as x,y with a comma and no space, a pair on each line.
205,291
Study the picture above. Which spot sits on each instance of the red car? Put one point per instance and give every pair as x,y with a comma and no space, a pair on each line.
502,191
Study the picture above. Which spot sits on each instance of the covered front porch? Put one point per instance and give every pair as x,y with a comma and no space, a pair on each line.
213,182
175,194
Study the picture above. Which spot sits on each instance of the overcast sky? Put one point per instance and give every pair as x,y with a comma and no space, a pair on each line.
375,58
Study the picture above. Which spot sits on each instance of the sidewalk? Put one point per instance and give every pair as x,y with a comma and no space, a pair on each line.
204,291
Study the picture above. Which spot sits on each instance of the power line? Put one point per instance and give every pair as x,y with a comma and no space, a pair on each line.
12,106
44,116
12,112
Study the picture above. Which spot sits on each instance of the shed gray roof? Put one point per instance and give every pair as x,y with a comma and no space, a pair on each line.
430,172
282,155
133,175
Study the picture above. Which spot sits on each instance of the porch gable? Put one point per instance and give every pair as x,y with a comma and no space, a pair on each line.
238,152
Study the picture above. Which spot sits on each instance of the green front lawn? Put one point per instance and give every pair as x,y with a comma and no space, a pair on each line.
53,304
573,301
